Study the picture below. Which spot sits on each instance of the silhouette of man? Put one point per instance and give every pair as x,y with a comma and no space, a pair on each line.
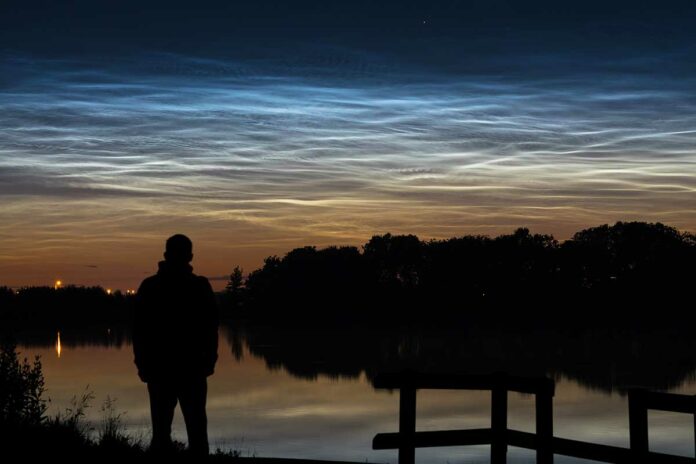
175,345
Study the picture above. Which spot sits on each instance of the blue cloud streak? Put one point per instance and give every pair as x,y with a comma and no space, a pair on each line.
273,151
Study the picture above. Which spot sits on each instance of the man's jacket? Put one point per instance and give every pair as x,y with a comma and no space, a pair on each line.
175,325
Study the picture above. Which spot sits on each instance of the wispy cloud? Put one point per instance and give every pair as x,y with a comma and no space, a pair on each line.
276,151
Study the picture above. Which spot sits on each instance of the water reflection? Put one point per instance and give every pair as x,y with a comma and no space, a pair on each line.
58,345
596,359
304,393
603,360
72,337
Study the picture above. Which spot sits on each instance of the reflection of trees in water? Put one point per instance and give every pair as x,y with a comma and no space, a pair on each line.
597,359
115,336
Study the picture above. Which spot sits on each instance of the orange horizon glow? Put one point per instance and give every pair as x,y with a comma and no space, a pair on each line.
214,257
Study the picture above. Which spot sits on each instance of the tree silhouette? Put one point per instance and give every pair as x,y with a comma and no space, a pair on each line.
629,272
601,273
236,282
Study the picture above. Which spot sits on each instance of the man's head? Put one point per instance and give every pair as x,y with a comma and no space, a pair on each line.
179,249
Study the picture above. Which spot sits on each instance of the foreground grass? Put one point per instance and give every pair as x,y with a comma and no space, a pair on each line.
66,437
62,442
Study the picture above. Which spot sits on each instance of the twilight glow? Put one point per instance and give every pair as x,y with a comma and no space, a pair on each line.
255,148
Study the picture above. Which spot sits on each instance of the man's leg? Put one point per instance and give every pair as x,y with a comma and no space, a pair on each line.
192,397
162,404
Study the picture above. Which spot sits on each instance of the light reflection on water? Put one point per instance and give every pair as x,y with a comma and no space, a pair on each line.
268,412
59,348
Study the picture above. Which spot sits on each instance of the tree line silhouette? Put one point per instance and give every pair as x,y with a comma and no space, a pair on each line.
627,273
605,273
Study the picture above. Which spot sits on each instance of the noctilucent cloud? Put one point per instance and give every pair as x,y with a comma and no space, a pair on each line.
267,135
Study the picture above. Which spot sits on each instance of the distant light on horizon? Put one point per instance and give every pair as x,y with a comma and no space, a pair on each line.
58,284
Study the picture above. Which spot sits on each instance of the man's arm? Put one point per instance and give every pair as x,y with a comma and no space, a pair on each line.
140,340
211,323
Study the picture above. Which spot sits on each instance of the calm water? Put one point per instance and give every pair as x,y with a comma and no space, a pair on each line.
304,397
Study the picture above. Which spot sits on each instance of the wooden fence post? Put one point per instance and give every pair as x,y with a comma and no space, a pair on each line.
499,405
544,425
638,423
407,424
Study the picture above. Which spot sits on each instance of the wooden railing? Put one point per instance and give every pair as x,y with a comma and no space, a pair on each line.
499,436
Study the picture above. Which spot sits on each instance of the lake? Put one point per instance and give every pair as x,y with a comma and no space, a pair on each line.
307,393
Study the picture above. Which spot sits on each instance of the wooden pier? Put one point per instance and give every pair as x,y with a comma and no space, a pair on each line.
499,436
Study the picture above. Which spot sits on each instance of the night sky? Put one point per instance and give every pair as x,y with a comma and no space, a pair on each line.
256,127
